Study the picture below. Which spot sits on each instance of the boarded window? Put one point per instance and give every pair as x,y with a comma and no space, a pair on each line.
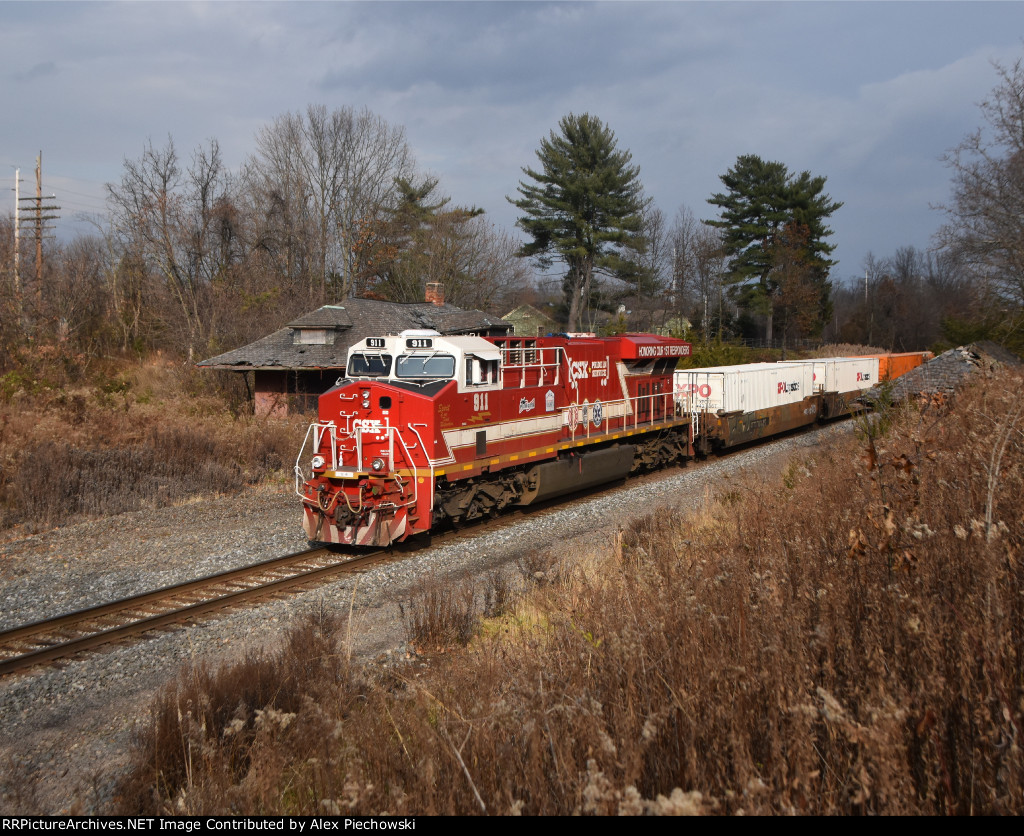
313,336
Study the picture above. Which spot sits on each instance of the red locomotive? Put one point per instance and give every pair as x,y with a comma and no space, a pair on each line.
426,430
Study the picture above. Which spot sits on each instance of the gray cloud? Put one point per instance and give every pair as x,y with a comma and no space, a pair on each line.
44,68
869,95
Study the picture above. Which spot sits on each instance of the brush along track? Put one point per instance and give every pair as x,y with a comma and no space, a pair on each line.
56,638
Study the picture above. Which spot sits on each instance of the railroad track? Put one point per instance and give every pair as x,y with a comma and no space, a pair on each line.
52,639
57,638
66,635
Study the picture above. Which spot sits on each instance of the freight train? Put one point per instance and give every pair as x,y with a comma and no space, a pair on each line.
427,431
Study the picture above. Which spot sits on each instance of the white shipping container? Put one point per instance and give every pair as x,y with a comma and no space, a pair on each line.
747,388
843,374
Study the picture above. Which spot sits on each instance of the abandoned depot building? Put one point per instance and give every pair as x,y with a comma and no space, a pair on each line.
289,369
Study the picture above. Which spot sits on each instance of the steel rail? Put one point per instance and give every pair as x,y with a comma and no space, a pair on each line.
96,638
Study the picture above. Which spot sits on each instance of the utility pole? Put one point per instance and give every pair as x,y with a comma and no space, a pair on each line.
17,242
36,216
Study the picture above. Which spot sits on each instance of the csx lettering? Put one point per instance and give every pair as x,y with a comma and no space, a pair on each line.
788,387
479,401
578,369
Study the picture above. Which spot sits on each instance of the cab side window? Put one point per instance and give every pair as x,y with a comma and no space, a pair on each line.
481,372
491,371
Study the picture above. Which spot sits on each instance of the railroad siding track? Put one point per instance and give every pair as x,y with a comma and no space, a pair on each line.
87,629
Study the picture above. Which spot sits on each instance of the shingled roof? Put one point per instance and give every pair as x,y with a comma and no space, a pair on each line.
345,324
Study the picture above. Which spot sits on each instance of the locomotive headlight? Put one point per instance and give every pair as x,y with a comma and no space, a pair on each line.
366,398
377,465
318,462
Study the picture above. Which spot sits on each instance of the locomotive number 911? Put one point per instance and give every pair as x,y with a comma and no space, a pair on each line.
426,430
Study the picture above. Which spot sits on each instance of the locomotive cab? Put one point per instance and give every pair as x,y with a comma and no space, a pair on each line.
422,356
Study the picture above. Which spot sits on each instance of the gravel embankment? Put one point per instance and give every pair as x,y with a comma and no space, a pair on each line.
67,730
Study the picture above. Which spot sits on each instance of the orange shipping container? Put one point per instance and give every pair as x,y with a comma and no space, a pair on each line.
891,366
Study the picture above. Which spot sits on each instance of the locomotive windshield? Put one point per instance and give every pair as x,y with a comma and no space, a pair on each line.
369,365
425,365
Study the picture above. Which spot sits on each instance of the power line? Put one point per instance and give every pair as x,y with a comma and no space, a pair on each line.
81,194
84,207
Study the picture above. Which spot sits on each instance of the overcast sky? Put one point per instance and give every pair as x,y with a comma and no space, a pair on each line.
869,95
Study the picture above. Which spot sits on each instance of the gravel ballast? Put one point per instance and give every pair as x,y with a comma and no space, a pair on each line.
67,730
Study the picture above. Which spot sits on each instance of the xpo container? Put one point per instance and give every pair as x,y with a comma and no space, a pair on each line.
731,405
747,388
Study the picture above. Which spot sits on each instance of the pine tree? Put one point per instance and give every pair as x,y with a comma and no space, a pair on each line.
422,240
584,208
763,201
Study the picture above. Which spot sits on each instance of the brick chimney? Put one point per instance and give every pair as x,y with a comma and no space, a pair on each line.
435,293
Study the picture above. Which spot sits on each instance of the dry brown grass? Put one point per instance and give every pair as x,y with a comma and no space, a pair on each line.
145,436
439,615
845,350
844,640
212,731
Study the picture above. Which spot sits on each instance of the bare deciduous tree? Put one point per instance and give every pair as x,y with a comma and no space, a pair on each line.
180,222
646,298
485,269
698,270
985,227
902,302
317,175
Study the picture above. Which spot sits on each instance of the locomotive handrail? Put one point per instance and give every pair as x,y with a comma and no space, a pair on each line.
510,365
426,455
329,429
423,447
392,432
630,406
317,429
